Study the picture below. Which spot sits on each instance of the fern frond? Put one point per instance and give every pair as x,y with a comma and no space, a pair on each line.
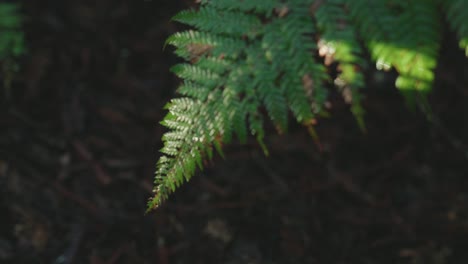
245,58
404,35
238,66
457,16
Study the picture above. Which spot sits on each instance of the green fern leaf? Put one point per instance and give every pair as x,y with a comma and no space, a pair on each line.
191,44
231,23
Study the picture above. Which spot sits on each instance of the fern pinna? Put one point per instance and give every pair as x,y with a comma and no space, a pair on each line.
245,56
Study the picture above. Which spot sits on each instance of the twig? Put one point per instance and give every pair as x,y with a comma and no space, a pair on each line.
87,156
341,180
89,206
455,142
70,253
277,179
118,253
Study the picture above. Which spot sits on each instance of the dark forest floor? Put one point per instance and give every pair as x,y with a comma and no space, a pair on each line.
79,140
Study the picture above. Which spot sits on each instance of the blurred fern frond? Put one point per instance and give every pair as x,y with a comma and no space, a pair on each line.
11,34
11,41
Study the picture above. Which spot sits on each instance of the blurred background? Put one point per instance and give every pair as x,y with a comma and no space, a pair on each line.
79,139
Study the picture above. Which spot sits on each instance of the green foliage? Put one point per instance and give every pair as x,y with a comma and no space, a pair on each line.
456,12
11,40
11,36
257,59
404,35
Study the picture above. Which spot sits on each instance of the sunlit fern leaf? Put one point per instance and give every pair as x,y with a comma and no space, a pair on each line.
404,35
420,36
183,147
